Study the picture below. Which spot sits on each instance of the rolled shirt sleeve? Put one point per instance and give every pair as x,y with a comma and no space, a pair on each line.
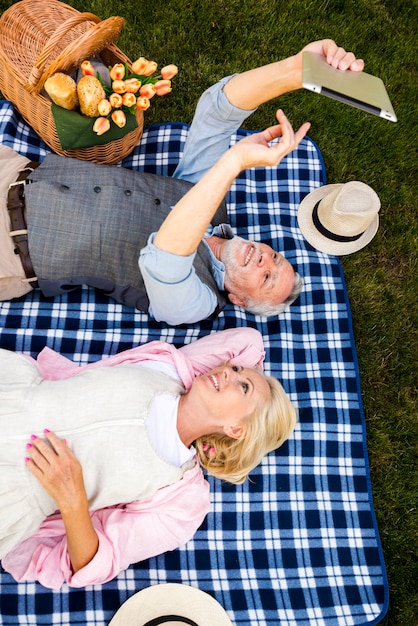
214,122
176,293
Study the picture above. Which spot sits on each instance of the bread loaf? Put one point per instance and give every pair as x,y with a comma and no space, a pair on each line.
90,92
62,90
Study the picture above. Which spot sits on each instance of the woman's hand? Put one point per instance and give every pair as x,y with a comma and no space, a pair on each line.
60,473
54,464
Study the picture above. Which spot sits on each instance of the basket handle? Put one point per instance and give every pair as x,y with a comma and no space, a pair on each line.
86,45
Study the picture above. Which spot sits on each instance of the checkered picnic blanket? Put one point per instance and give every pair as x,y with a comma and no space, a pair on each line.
296,545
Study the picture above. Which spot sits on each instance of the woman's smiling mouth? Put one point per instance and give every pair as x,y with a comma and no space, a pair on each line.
214,381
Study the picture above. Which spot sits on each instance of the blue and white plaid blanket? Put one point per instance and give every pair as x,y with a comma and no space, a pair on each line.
297,545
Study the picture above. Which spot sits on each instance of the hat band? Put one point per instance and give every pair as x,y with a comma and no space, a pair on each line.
327,233
163,619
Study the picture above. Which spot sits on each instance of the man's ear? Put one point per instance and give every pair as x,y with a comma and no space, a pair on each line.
235,432
237,300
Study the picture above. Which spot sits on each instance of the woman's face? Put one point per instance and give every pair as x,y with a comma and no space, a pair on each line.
230,393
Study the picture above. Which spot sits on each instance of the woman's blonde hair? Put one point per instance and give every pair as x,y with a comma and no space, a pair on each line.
266,429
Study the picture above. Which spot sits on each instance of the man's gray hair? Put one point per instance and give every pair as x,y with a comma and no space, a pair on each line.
257,307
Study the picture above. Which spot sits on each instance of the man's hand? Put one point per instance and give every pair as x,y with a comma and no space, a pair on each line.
335,56
256,150
184,227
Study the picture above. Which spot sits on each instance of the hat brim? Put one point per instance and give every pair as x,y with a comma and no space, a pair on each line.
318,240
170,599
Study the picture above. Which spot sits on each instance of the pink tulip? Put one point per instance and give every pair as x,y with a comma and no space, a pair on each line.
119,118
143,103
117,72
162,87
128,100
87,69
150,68
147,90
104,107
101,125
115,100
169,71
138,65
118,86
132,85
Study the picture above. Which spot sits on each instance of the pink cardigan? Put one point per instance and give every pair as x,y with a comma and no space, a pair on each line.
164,522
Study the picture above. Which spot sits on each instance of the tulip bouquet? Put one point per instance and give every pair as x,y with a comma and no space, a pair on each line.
128,90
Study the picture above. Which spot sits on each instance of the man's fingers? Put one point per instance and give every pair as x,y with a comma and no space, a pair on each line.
343,60
335,55
357,65
273,132
288,134
300,134
260,149
281,118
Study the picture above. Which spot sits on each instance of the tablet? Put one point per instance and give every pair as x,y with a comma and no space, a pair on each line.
358,89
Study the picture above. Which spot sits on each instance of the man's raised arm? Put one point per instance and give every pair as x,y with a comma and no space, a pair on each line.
183,229
275,79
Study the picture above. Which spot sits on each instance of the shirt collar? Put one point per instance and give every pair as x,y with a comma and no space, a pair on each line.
218,268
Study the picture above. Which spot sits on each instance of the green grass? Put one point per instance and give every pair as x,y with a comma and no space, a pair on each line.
208,39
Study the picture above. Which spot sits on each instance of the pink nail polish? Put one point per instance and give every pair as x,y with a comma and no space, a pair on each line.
27,459
46,431
33,437
29,445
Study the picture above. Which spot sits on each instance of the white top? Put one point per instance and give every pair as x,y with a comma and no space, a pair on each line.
162,421
102,413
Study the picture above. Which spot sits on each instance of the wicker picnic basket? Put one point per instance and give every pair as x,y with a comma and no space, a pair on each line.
41,37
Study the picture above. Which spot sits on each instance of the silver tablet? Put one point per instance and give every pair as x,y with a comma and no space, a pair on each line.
358,89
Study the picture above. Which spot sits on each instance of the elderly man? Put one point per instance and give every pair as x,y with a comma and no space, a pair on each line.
88,223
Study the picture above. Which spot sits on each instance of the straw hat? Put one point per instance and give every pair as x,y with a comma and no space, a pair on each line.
340,219
171,604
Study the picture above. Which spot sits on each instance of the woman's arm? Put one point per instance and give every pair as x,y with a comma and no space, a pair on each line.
243,346
127,534
60,473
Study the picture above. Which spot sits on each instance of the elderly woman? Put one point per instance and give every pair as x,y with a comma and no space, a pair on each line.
111,473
